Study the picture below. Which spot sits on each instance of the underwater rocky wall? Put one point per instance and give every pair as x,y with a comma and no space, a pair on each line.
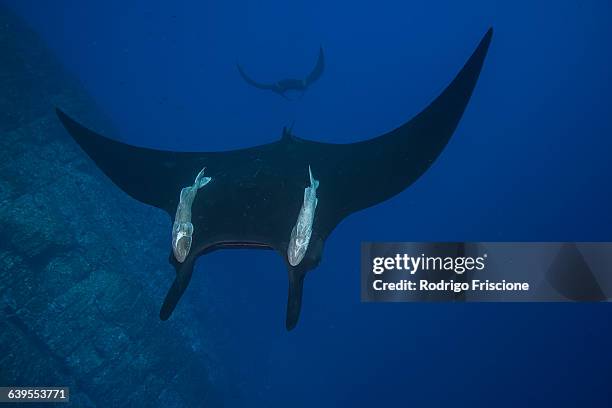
83,268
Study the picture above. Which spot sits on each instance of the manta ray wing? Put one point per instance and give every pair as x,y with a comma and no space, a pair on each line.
318,69
259,85
148,175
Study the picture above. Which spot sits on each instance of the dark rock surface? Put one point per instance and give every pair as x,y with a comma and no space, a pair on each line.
83,268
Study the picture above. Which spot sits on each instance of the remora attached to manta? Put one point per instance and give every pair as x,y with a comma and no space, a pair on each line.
255,195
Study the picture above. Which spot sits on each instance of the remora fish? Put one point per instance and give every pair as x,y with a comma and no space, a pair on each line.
301,232
182,228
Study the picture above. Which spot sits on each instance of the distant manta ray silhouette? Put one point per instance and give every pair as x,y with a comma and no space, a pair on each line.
284,85
288,195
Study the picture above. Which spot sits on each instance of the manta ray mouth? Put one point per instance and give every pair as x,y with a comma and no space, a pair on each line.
240,245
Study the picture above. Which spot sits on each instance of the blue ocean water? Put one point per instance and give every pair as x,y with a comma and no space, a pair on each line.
529,161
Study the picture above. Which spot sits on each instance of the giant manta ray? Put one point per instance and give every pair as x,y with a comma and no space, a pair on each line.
288,195
290,84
